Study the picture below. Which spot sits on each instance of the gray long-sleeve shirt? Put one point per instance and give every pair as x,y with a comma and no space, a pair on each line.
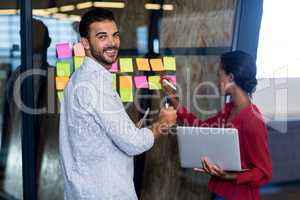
97,139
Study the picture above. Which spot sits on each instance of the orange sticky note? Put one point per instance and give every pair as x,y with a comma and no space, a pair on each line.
61,82
156,64
143,64
78,50
125,82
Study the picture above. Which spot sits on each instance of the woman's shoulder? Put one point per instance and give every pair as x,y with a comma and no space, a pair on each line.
252,113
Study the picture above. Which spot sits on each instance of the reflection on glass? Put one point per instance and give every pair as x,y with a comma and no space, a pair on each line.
10,116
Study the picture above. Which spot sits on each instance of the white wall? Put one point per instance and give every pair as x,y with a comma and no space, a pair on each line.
278,98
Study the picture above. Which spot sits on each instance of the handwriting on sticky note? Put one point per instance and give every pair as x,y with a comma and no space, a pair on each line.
125,81
61,82
63,50
126,65
143,64
154,83
169,63
79,49
63,68
78,62
114,67
156,64
126,94
141,82
172,77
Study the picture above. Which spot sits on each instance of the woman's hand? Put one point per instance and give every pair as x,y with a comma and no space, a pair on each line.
216,171
170,92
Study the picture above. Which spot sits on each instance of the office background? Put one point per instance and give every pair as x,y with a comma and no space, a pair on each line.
196,32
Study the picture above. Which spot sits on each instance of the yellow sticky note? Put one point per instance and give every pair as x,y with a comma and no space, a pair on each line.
63,68
154,82
143,64
126,65
169,63
61,82
126,94
78,60
60,95
156,64
126,82
114,81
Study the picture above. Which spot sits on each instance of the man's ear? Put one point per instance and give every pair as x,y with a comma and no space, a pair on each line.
231,77
84,41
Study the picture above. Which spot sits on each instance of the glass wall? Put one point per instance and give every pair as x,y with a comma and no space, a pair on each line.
10,115
194,32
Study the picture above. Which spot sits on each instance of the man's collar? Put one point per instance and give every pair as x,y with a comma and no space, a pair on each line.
92,65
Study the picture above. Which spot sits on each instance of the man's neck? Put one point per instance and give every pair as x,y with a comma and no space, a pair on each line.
106,66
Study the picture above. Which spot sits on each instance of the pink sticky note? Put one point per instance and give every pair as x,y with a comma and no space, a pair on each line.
63,50
141,82
172,77
114,67
78,49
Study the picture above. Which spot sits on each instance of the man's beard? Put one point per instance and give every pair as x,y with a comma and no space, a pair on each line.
100,57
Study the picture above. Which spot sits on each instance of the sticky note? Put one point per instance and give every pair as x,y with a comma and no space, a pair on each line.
63,68
114,81
63,50
169,63
126,82
126,65
172,77
61,82
126,94
78,60
60,95
78,50
141,82
156,64
154,83
114,67
143,64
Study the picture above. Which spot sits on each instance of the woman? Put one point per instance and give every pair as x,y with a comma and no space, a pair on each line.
237,78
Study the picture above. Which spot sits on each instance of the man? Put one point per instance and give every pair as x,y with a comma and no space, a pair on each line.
97,138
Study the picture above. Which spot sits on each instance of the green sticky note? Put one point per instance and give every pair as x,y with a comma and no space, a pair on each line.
60,95
126,65
63,68
114,81
126,94
154,82
78,60
169,63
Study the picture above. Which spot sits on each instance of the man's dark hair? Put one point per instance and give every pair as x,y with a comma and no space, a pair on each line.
94,15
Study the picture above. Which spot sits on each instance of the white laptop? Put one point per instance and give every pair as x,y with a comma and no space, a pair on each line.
219,145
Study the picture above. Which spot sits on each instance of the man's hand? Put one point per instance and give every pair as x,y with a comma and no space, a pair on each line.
166,119
214,170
